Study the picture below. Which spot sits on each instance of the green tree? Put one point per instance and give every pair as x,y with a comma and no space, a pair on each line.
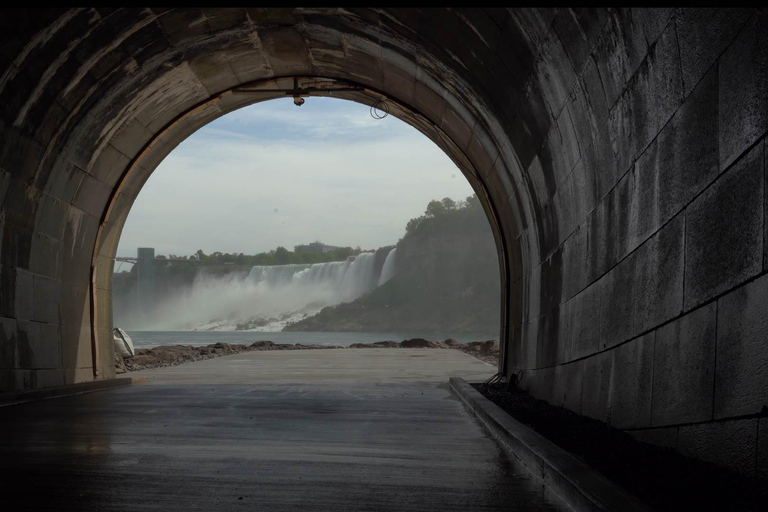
473,202
449,204
434,209
282,256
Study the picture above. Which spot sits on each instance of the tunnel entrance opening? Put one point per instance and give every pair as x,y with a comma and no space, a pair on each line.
242,96
610,144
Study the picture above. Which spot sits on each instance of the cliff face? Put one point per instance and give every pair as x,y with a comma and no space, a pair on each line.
447,278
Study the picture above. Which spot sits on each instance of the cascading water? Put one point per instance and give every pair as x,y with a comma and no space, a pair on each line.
388,270
269,297
347,280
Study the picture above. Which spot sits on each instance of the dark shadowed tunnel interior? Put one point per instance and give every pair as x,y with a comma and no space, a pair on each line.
620,155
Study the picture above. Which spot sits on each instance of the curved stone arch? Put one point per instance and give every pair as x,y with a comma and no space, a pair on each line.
611,142
138,171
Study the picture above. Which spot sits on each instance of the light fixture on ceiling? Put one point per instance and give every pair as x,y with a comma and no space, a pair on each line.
299,93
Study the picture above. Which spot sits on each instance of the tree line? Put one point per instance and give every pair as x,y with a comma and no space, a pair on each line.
446,215
440,216
279,256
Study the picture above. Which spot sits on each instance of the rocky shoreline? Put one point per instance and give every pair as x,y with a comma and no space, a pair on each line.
172,355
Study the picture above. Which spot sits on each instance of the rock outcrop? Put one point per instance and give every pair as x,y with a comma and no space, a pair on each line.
171,355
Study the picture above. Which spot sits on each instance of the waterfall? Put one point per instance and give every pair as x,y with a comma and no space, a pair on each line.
347,280
388,270
268,297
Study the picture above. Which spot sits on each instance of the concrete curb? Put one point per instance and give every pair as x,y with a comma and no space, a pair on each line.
579,486
21,397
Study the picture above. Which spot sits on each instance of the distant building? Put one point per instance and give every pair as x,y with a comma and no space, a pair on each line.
316,247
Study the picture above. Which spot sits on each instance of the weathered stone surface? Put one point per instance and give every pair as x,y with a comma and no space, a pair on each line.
632,381
17,245
616,312
703,34
741,374
50,216
658,280
76,306
684,369
7,291
622,199
24,290
92,196
743,70
618,53
653,94
574,261
45,257
20,203
539,383
724,232
596,387
7,343
74,376
37,345
547,336
762,449
514,353
592,131
554,73
601,231
728,443
659,436
76,350
17,380
564,335
528,344
575,41
596,113
584,321
566,388
653,21
64,184
5,181
108,165
47,300
49,378
678,164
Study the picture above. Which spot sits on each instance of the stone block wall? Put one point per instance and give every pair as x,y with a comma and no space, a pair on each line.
660,304
620,155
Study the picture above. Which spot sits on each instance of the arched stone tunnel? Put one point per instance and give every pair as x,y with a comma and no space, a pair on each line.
620,155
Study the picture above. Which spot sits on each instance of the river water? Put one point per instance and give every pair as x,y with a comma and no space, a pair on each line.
149,339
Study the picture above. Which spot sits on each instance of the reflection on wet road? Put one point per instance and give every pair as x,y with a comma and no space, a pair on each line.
259,446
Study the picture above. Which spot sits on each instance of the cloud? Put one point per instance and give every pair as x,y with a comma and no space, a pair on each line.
318,118
259,178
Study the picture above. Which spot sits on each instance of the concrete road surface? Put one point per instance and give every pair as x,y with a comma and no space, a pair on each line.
330,430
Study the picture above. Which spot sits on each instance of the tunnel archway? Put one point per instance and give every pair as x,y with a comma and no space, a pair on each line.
610,143
138,172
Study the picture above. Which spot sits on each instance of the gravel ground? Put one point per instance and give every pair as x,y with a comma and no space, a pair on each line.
172,355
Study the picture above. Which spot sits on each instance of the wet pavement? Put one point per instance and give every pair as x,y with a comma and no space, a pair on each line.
394,440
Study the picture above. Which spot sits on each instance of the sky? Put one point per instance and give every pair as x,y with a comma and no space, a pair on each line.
274,174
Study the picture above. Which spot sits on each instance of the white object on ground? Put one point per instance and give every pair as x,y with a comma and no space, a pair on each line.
123,343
